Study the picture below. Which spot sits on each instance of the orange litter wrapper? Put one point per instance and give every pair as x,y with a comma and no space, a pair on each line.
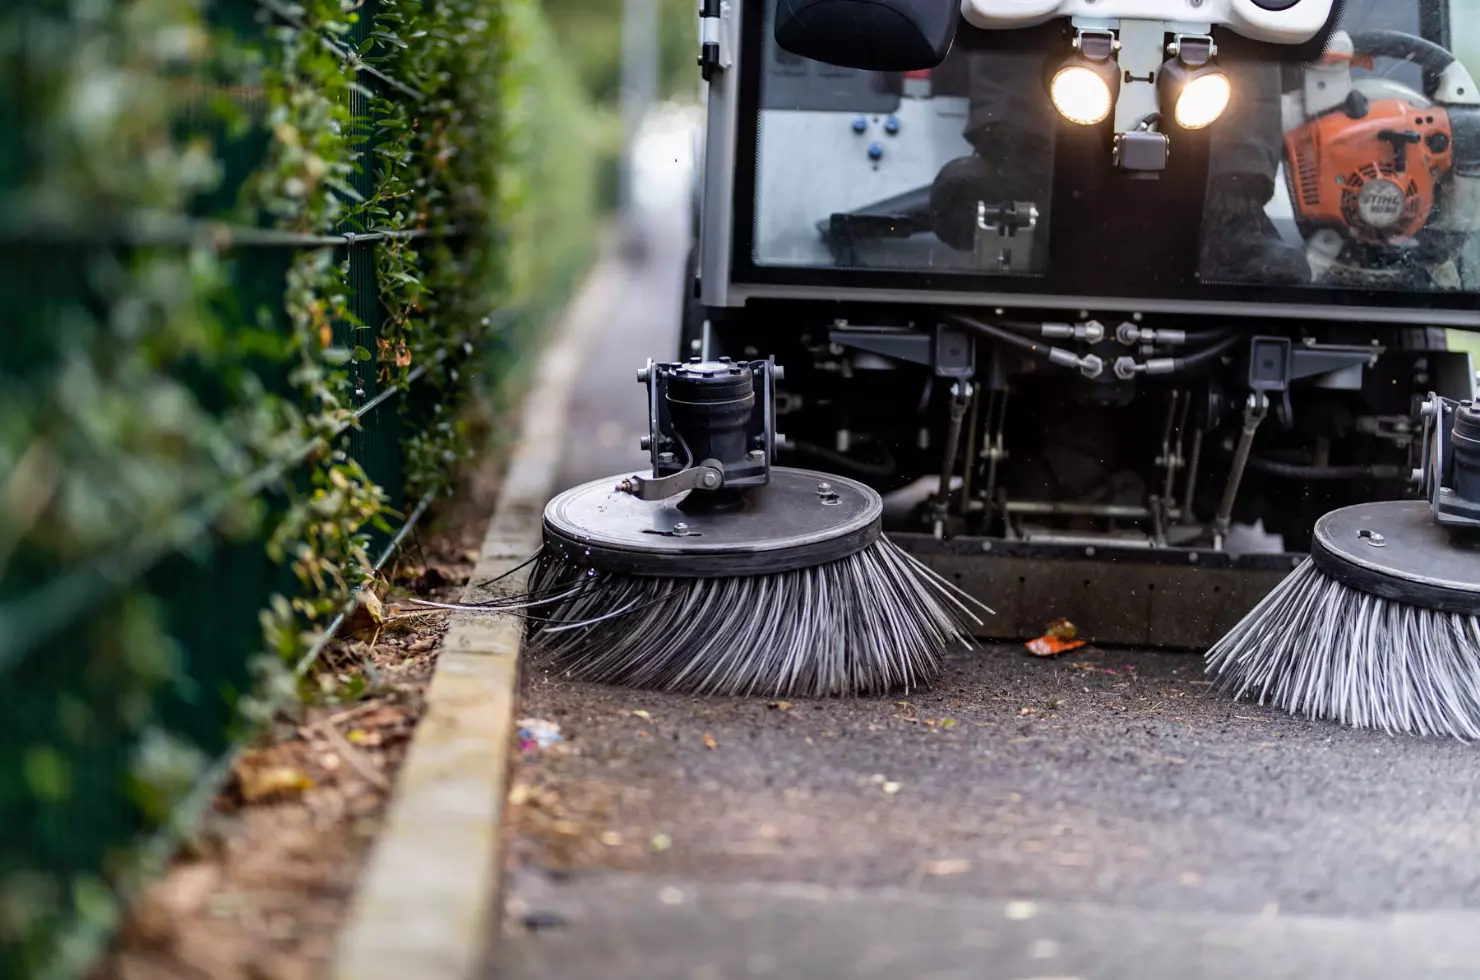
1060,637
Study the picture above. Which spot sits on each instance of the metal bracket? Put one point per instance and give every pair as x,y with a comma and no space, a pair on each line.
1275,363
708,475
948,351
1005,234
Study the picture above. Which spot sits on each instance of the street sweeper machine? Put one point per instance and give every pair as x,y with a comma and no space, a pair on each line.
1159,316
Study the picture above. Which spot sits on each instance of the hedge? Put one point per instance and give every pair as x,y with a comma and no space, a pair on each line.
257,257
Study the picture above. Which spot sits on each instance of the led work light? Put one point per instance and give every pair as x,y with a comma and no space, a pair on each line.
1084,87
1197,91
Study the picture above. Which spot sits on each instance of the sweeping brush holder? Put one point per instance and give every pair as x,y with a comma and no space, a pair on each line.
718,573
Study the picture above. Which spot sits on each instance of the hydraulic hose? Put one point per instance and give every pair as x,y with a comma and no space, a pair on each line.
1089,365
1207,354
1195,337
1298,471
1128,367
1001,334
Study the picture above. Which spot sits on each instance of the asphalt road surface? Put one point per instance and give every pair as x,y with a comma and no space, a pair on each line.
1100,816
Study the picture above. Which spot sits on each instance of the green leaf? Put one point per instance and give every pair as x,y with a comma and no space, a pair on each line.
362,354
49,774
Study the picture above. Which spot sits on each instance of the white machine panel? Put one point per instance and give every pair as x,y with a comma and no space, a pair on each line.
1299,22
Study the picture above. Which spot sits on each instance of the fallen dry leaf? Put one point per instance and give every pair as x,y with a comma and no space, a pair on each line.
271,782
709,742
369,612
947,866
645,716
780,705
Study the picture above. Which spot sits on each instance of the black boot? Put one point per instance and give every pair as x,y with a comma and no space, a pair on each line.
953,199
1239,242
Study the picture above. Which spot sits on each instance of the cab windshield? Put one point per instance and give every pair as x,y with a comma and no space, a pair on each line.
1358,175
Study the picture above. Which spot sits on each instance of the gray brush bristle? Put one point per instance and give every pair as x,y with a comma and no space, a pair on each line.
1320,649
873,622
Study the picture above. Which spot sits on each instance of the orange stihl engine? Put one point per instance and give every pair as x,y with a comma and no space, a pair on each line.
1370,168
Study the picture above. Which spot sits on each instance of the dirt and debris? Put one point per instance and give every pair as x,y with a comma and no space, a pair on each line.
537,735
261,889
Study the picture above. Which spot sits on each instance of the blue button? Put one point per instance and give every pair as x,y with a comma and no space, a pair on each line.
859,124
875,151
891,125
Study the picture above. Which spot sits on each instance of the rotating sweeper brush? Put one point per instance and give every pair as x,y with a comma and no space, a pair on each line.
720,574
1380,627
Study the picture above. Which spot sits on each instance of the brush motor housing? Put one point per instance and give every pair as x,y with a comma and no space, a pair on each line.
1465,440
1449,475
720,414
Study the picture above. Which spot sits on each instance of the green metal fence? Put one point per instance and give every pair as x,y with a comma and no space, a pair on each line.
125,651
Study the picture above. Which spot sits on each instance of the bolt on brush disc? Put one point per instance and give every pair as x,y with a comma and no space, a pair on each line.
1395,550
801,519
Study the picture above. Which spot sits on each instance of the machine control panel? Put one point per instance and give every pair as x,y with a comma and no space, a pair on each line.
1271,21
889,126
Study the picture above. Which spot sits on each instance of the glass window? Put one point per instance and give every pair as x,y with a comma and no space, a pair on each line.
1375,160
854,169
1357,174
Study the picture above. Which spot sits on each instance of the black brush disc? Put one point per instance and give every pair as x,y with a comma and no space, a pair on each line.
1395,550
795,591
800,520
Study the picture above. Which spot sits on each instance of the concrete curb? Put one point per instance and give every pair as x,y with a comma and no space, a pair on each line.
425,905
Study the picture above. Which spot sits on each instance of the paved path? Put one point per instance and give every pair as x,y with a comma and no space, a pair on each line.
1157,833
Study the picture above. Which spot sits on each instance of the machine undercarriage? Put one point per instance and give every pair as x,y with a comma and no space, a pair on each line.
1148,481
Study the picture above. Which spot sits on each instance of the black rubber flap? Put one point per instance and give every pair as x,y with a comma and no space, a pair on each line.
1395,550
801,519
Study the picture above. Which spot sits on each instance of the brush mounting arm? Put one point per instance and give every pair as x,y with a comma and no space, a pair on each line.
711,429
708,475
